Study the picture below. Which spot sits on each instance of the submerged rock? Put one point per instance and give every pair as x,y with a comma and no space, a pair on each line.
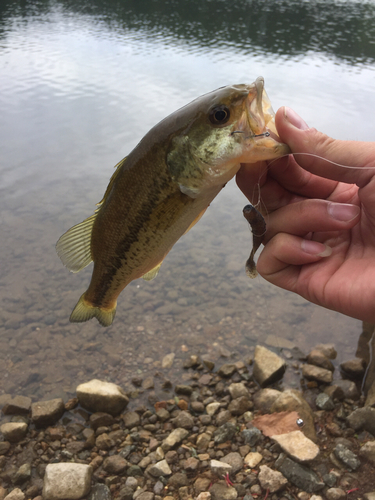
14,431
46,413
99,396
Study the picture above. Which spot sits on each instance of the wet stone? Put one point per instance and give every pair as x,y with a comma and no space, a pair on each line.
227,370
104,442
23,474
349,388
268,366
328,350
184,390
14,431
46,413
347,457
236,390
99,396
264,399
19,405
100,419
354,368
324,402
363,419
131,419
240,405
318,358
321,375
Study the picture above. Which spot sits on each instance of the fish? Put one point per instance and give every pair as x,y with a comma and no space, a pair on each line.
163,187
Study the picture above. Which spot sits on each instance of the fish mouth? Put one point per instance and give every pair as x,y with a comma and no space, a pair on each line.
258,126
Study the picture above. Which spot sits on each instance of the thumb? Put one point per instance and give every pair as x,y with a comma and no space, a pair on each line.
358,156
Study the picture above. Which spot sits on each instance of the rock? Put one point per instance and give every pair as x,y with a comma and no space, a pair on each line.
115,464
233,459
220,468
3,493
104,442
252,459
328,350
131,419
271,480
297,446
354,368
362,418
145,495
99,396
162,414
370,398
175,437
184,420
251,436
14,431
240,405
178,480
236,390
221,491
167,361
367,451
299,475
334,392
349,388
148,383
66,481
205,495
23,474
268,366
318,358
224,433
100,492
197,406
347,457
191,464
335,494
292,400
212,408
19,405
264,399
227,370
201,484
101,419
184,390
324,402
203,441
15,494
321,375
4,447
46,413
223,417
369,496
160,469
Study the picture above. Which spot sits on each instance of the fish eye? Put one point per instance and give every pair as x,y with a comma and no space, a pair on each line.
219,115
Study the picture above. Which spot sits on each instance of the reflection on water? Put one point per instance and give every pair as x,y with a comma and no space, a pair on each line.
80,84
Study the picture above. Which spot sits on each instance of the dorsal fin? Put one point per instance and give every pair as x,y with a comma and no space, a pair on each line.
111,182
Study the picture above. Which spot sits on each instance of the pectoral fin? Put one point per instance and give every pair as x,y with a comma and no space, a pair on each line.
150,275
197,219
258,227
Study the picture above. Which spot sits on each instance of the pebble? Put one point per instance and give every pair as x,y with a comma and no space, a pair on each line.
362,418
328,350
212,408
264,399
227,370
185,420
237,390
14,431
100,492
324,402
367,451
347,457
354,368
160,469
252,459
220,468
271,480
224,433
115,464
251,436
131,419
297,446
268,366
335,494
99,396
167,361
233,459
318,358
240,405
19,405
46,413
175,437
66,481
16,494
221,491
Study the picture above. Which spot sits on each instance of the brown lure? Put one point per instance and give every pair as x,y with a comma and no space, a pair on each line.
258,228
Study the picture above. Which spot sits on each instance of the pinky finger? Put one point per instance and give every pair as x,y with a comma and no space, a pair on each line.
281,259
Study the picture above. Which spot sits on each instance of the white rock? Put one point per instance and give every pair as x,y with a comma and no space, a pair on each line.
167,361
237,390
252,459
160,469
14,431
15,494
297,446
212,408
268,366
271,479
205,495
66,481
97,396
220,468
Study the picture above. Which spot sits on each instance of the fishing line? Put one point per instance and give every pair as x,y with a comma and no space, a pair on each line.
325,159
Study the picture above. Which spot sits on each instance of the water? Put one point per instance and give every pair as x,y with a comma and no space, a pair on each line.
80,84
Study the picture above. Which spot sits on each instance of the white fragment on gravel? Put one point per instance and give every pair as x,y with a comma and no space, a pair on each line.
297,446
252,459
66,481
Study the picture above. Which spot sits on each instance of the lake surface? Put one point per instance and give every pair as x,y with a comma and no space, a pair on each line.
80,83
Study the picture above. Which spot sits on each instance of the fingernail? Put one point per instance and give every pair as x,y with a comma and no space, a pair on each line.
316,248
343,211
294,119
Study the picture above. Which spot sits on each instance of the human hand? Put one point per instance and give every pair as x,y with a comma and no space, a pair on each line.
320,239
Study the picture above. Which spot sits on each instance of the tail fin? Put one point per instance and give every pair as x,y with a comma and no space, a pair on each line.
83,311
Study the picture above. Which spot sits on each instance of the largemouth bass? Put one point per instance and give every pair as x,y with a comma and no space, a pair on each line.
162,189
